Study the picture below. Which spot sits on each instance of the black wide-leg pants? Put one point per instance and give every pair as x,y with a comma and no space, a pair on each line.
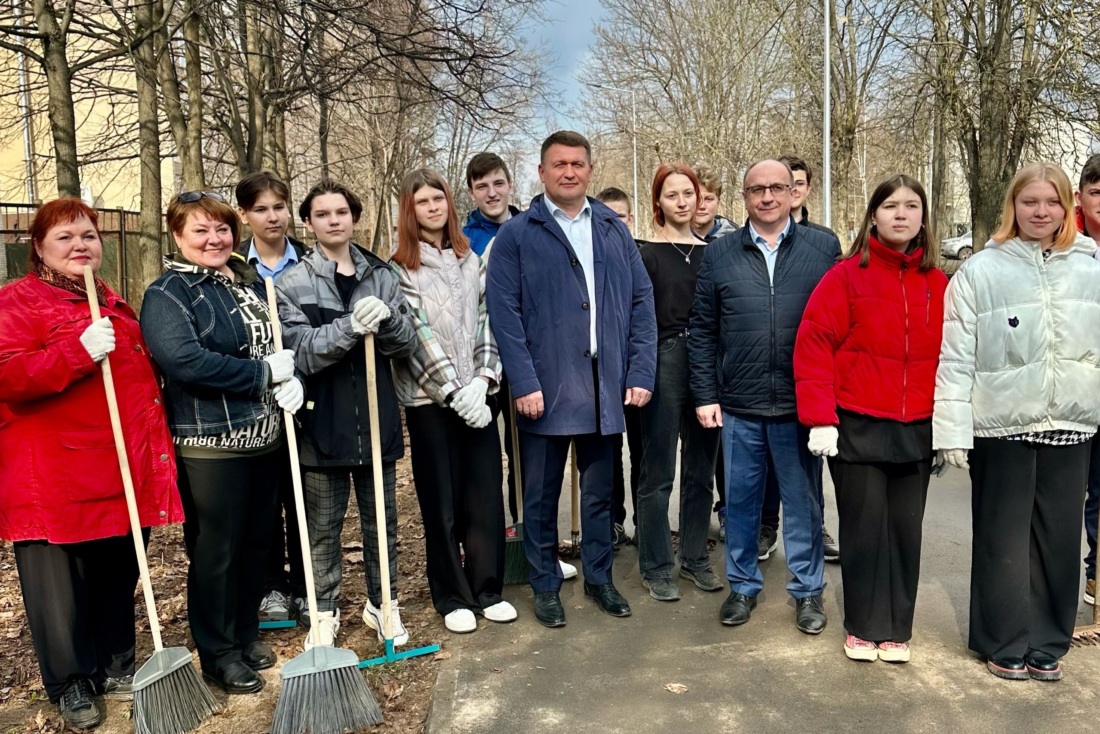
1027,506
79,599
881,511
458,474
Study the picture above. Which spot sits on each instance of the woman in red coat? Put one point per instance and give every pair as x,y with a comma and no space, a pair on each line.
61,497
865,373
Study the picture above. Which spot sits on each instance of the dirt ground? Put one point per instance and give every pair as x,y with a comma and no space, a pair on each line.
403,689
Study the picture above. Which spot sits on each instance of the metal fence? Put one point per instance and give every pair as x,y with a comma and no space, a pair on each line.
116,228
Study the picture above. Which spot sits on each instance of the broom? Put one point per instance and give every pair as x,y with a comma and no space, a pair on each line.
389,656
573,548
323,690
169,697
516,568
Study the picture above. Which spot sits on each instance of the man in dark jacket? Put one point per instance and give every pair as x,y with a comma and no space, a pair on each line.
769,515
572,310
749,298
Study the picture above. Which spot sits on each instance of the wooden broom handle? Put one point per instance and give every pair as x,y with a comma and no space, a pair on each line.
515,464
575,485
379,492
295,471
124,468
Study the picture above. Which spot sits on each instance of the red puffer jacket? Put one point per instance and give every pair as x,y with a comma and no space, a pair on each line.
869,341
59,475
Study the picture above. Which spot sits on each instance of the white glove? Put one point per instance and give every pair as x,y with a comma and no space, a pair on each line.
482,417
823,440
99,339
955,457
367,314
282,365
469,398
290,395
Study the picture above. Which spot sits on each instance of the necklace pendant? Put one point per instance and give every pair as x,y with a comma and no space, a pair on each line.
687,258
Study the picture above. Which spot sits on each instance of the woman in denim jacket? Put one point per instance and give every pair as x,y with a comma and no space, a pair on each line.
225,390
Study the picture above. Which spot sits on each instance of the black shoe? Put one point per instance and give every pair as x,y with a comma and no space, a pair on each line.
548,609
1008,668
608,598
120,688
736,609
809,615
1042,666
258,656
78,708
662,589
236,678
766,543
832,548
704,578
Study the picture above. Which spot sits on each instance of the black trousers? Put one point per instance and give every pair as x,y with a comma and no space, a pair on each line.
230,507
79,599
504,395
881,510
285,550
1027,506
457,472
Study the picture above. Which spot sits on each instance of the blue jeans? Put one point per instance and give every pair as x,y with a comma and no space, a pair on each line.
748,441
1092,508
668,418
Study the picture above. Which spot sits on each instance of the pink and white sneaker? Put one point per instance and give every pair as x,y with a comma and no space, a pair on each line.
859,649
893,652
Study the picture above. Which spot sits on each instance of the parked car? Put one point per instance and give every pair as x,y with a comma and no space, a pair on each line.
958,248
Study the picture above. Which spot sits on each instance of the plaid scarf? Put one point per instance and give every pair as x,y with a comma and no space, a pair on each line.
59,280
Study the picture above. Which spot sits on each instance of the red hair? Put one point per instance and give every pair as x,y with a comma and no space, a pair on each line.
663,172
57,212
408,229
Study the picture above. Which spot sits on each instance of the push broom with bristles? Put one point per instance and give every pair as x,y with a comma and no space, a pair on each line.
323,690
169,696
516,568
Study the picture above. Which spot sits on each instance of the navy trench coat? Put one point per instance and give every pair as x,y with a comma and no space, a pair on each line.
537,300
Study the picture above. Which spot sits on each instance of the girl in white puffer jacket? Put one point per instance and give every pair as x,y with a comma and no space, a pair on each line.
1019,384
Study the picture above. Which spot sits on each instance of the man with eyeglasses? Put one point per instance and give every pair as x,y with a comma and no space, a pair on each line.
769,515
749,298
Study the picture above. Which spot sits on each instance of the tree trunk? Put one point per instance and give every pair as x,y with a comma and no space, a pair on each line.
938,191
192,55
143,256
255,84
323,133
62,114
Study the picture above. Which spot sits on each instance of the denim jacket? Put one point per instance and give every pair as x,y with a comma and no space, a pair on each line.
191,324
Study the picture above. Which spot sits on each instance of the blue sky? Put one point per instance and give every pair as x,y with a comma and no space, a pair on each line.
568,33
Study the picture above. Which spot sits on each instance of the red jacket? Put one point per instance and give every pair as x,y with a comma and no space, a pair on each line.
59,475
869,341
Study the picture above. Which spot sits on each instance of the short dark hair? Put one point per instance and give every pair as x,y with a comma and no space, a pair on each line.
797,164
569,139
1090,174
613,193
482,165
254,184
328,186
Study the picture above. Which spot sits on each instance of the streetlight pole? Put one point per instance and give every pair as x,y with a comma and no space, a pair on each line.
826,125
633,135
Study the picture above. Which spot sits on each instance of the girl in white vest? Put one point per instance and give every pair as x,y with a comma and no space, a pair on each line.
1018,389
447,387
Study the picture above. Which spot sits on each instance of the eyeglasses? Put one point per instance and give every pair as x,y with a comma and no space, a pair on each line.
190,197
757,191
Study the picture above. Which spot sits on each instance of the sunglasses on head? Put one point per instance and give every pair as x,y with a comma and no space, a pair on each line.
190,197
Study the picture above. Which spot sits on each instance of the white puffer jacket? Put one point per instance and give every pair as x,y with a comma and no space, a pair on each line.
1021,344
455,345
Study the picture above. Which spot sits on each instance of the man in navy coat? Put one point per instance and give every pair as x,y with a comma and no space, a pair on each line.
571,307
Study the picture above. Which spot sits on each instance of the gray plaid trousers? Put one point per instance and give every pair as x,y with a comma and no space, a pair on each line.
326,495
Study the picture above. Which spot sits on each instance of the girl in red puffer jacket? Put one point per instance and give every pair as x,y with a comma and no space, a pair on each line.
865,374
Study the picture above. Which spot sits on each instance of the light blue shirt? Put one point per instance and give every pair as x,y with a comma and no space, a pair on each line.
578,230
290,257
770,253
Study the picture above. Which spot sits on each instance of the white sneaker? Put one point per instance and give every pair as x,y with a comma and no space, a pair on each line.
372,616
568,570
502,611
460,621
328,624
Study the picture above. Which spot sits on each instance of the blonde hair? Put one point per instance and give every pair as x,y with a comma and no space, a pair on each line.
1030,173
